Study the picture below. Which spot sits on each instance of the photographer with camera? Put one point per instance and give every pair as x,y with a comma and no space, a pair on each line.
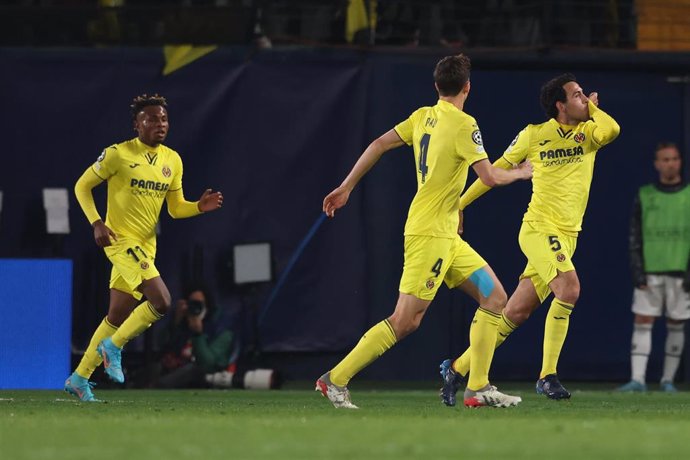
197,341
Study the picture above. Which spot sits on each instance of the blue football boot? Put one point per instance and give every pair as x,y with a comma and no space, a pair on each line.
452,381
80,387
668,387
552,388
112,360
633,386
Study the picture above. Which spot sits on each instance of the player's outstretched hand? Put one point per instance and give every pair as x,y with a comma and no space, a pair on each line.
210,201
526,170
102,234
335,200
462,217
594,97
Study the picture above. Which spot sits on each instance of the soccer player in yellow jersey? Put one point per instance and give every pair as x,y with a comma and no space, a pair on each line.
141,173
446,143
562,151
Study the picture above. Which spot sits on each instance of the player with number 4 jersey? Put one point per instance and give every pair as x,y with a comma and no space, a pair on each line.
562,151
446,143
141,173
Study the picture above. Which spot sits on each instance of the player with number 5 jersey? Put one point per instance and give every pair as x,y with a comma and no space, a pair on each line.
562,150
446,143
141,173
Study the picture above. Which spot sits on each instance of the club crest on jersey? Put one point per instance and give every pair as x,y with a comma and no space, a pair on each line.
144,265
166,171
579,138
101,157
477,137
430,284
560,257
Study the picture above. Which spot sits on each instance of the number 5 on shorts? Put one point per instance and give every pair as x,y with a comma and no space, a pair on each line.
437,267
555,244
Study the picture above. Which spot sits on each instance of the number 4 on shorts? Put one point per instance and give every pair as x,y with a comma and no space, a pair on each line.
437,267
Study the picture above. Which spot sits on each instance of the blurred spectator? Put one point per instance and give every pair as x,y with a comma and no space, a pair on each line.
660,260
197,341
106,28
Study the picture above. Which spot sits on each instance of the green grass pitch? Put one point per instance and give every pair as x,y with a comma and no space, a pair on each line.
301,424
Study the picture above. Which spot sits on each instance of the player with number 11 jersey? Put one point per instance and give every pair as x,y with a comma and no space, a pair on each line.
141,173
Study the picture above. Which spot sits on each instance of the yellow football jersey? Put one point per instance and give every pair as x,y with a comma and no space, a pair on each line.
446,143
563,160
139,177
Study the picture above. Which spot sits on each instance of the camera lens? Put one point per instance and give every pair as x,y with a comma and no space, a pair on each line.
195,307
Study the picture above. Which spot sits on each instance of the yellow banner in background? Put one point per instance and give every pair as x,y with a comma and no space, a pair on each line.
178,56
361,14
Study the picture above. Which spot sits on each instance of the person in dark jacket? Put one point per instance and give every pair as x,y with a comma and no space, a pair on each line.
660,262
197,341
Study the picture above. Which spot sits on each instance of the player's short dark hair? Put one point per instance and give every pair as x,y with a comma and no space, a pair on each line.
553,92
666,145
139,102
451,74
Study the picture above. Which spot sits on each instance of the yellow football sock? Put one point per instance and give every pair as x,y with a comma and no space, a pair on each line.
375,342
555,330
482,345
138,321
505,328
91,359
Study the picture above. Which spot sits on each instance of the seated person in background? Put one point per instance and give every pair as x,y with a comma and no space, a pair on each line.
197,341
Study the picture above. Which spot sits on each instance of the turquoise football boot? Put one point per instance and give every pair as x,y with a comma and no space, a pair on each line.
80,387
112,360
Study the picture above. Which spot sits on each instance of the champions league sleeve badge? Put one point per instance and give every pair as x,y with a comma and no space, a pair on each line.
477,137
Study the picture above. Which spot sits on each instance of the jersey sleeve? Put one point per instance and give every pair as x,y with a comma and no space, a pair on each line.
178,207
518,149
107,163
602,129
176,183
82,190
469,144
405,128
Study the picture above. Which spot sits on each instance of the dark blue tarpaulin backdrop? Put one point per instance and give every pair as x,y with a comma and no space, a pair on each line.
278,130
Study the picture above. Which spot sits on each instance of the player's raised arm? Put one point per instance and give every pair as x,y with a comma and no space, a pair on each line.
606,129
338,197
